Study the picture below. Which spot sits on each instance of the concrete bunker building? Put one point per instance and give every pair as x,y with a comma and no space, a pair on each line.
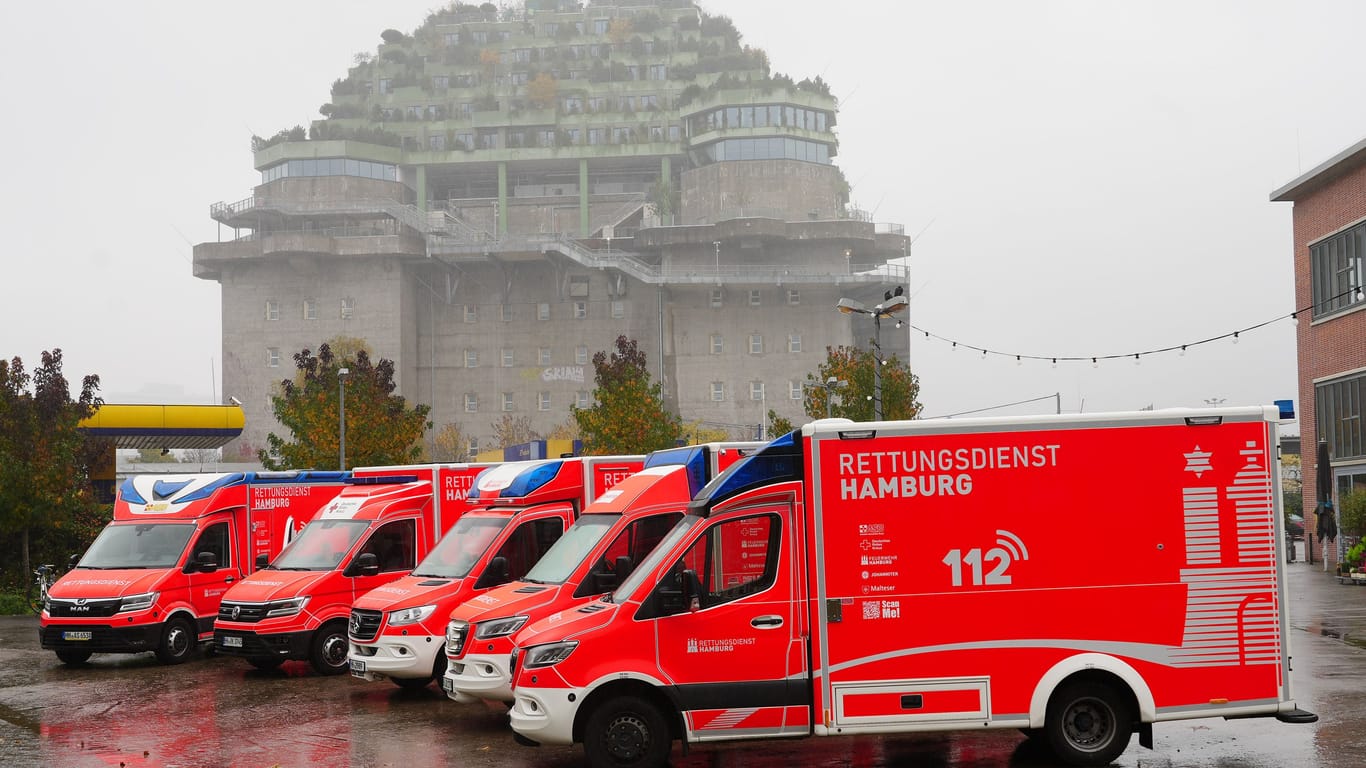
493,199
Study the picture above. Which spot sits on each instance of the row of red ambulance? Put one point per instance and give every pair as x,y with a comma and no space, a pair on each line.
844,579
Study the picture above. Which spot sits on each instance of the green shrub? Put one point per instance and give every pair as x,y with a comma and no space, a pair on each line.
13,604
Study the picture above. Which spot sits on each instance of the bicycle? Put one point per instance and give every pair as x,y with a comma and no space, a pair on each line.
43,579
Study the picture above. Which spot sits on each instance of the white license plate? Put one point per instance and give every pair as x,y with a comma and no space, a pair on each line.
230,641
357,666
447,684
77,635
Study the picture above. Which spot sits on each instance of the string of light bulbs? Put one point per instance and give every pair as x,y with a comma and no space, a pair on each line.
1135,356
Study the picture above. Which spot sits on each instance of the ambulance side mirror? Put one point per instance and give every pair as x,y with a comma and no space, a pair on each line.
204,562
262,560
365,564
72,562
692,590
494,574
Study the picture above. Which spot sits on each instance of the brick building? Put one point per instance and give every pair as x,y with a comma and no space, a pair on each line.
494,198
1330,248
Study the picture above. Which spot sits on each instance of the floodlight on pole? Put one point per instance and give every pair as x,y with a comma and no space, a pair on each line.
892,302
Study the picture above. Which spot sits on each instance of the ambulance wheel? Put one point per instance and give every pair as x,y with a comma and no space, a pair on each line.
73,656
627,732
266,663
1089,723
178,641
330,647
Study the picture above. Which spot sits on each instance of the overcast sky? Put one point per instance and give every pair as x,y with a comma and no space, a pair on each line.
1082,178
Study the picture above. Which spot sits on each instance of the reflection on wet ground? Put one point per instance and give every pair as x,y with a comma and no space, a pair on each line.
129,711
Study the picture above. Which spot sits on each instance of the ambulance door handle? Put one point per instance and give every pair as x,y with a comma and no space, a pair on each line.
766,622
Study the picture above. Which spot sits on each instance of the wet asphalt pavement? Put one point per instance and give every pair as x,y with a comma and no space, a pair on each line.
130,711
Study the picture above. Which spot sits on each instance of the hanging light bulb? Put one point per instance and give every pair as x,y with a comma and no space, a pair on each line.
1235,337
1183,350
1357,295
954,348
1136,360
1055,362
1017,360
1094,364
1294,318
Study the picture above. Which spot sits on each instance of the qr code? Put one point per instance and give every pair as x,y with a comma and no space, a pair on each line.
871,609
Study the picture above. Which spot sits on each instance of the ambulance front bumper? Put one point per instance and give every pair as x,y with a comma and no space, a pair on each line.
482,676
545,715
412,656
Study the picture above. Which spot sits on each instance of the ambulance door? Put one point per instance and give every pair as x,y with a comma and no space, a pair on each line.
207,587
726,629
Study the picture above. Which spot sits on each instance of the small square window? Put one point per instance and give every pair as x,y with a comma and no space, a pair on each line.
471,358
718,391
581,355
543,311
755,296
717,297
471,313
618,310
794,296
348,307
507,401
718,344
581,399
794,390
543,356
580,310
543,401
472,406
794,342
310,309
272,357
473,448
756,390
505,312
272,310
756,344
507,358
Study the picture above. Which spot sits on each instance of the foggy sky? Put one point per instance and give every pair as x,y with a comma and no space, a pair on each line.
1081,178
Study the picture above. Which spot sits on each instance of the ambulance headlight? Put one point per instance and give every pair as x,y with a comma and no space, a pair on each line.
138,602
285,607
410,615
549,655
499,627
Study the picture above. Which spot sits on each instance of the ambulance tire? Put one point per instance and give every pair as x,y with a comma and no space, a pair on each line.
266,663
1089,723
627,732
73,657
330,648
178,641
418,683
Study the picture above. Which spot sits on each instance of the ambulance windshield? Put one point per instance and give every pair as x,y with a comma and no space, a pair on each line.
461,547
662,550
145,545
320,546
564,555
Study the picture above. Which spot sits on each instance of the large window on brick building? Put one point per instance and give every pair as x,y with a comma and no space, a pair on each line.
1338,405
1336,268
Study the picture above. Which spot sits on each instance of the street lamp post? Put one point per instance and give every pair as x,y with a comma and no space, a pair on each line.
717,244
342,373
891,304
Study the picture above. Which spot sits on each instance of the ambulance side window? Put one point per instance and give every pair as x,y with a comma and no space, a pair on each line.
731,560
635,542
526,545
394,546
214,539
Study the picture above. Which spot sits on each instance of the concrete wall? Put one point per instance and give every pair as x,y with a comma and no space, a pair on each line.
796,189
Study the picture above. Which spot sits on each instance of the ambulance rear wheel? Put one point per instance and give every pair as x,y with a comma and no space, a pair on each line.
330,647
73,656
178,641
627,732
1089,723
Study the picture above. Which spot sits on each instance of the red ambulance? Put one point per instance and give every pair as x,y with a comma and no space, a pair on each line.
1077,577
599,550
397,630
153,578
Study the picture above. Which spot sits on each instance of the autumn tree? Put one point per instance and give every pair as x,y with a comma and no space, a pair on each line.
380,427
900,387
513,430
778,425
565,430
44,459
448,444
697,432
543,91
628,415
